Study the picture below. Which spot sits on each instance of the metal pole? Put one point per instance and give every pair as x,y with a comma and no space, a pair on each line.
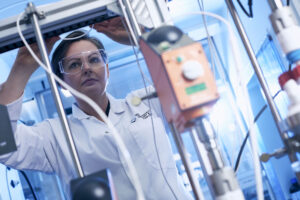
254,61
220,179
275,4
133,18
127,19
186,162
257,69
54,89
204,160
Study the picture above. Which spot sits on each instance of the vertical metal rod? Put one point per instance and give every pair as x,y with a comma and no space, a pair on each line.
132,18
257,69
54,89
206,134
254,62
220,179
160,11
275,4
131,31
186,162
204,161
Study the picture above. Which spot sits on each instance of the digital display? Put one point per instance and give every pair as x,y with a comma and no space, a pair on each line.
195,88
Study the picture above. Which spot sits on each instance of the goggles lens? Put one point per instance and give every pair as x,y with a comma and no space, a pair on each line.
74,64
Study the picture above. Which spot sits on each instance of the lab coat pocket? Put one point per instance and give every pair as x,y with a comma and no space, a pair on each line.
153,140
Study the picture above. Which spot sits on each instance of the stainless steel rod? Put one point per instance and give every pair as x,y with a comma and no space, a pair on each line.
132,18
205,164
126,17
207,136
254,62
257,69
186,162
275,4
56,96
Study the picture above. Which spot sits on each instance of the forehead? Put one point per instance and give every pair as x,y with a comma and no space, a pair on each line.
80,46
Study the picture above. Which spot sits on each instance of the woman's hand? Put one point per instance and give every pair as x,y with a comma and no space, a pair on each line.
114,29
26,61
21,71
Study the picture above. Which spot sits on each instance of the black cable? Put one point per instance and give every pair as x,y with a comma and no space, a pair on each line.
250,8
250,14
247,135
288,2
29,184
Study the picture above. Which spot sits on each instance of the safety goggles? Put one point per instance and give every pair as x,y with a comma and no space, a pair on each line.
74,64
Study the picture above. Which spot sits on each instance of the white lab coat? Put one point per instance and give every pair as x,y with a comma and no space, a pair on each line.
43,147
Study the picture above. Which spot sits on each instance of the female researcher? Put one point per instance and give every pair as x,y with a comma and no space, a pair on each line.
82,64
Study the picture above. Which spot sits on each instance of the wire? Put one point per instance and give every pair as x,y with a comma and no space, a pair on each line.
131,31
8,188
144,76
250,14
132,43
209,38
27,180
243,95
29,184
150,110
212,48
80,36
221,71
237,163
115,134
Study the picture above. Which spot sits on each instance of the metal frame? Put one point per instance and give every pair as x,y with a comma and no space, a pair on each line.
288,142
64,16
46,21
58,18
33,15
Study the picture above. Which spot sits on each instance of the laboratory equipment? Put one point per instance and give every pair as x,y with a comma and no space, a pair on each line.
187,91
177,64
95,186
197,77
287,31
7,141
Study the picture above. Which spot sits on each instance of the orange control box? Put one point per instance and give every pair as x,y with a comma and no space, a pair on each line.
183,80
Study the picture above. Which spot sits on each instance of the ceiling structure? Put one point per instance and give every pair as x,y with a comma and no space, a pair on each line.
178,9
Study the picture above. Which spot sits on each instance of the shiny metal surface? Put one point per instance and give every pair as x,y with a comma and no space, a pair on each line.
57,99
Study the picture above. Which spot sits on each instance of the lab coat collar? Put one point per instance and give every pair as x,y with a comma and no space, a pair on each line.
115,108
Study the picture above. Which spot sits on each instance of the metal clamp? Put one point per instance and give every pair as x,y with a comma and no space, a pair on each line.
31,10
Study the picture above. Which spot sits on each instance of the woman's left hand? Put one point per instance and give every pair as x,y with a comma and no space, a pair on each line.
114,29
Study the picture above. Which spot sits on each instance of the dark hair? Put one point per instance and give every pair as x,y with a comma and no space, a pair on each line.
63,47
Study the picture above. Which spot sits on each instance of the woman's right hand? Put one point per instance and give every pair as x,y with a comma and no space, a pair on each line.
21,71
26,61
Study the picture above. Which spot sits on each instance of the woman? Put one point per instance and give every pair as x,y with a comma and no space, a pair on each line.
82,64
